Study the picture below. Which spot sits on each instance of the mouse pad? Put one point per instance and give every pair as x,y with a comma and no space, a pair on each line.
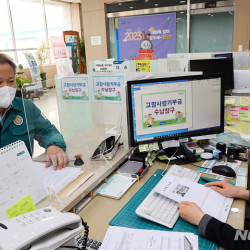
127,217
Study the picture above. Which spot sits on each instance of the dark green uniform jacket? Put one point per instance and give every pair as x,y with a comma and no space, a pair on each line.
15,126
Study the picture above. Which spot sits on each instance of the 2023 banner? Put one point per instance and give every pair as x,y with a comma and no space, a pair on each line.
147,37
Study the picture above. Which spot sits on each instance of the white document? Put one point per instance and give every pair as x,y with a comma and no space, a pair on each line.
122,238
242,172
210,201
56,180
79,184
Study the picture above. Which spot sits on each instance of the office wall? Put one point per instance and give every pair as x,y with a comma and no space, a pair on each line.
94,23
49,69
76,19
241,24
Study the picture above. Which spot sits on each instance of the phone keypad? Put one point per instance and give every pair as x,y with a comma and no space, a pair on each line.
32,217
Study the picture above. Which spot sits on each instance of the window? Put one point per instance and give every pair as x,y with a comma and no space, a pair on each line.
5,30
25,24
211,32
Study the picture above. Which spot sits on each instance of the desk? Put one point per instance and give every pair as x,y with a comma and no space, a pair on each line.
101,210
85,144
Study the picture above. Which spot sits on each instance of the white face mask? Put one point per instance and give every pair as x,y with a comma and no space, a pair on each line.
7,94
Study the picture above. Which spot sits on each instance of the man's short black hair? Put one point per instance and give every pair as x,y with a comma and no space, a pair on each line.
4,59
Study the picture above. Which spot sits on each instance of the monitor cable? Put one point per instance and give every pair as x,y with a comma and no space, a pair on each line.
169,159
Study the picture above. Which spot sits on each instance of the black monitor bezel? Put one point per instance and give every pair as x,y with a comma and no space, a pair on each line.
134,143
230,60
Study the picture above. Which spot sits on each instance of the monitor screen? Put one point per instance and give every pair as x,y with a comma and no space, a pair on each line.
215,65
227,55
170,108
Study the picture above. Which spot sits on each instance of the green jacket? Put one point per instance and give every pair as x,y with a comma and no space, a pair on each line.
15,126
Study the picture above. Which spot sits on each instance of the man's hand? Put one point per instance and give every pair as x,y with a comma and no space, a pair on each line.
57,157
228,189
190,212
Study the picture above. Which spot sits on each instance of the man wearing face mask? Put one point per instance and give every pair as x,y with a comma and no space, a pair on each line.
13,123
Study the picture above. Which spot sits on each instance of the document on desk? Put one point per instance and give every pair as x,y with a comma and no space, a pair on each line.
207,166
56,180
122,238
210,201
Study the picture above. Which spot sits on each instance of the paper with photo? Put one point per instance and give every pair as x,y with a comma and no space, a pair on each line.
210,201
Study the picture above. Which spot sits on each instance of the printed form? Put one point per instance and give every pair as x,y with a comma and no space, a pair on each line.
122,238
210,201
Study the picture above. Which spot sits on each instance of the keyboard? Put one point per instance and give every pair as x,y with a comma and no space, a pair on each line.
160,209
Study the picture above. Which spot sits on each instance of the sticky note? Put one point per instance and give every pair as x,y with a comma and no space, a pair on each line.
244,128
153,156
244,115
142,65
229,119
229,101
245,109
232,130
245,101
150,162
235,112
162,157
23,206
143,148
153,146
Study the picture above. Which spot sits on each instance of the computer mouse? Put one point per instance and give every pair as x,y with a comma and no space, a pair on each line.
223,170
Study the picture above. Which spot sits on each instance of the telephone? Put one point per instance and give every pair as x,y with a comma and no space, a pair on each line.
41,229
107,148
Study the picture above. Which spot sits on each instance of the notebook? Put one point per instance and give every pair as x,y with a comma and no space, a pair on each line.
116,186
18,177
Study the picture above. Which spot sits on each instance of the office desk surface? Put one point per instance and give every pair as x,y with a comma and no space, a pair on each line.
85,144
101,210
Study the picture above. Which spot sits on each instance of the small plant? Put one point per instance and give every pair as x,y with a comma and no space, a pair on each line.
82,52
20,81
42,55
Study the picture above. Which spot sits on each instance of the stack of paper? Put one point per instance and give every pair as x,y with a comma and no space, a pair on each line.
139,239
56,180
116,186
210,201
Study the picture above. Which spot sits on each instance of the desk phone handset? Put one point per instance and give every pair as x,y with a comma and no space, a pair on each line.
107,148
44,228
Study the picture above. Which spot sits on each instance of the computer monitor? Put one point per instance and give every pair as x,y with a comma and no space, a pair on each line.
171,108
225,55
215,65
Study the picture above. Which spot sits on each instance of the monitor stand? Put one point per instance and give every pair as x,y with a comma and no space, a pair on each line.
181,155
